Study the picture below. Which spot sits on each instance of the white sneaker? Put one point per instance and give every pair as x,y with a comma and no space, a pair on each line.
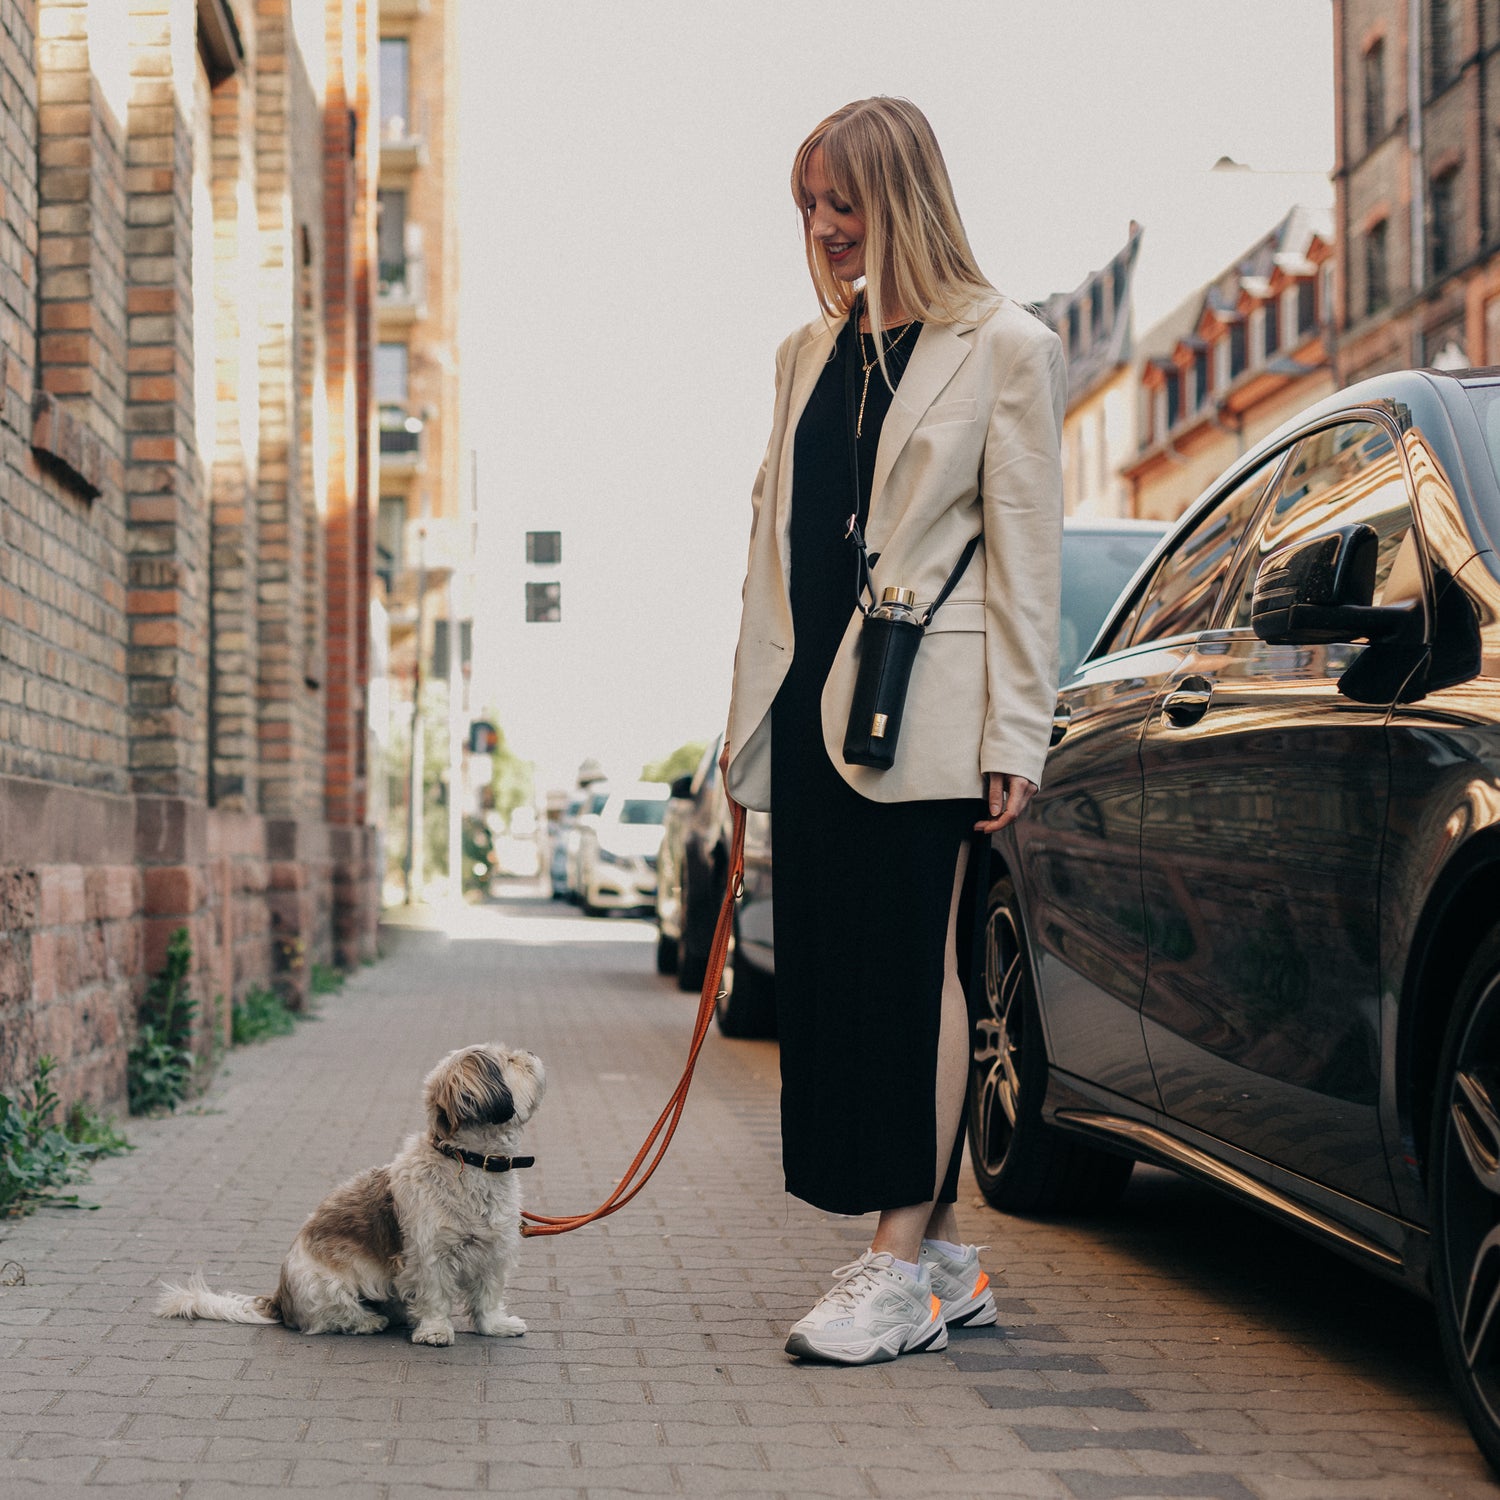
962,1289
873,1313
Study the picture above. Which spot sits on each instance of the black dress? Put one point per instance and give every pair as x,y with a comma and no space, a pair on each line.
862,888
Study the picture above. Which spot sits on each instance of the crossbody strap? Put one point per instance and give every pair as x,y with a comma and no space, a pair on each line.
863,583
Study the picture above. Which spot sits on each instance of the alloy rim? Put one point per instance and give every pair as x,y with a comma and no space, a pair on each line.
1471,1199
997,1037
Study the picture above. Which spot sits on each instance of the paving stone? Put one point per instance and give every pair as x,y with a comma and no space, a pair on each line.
653,1365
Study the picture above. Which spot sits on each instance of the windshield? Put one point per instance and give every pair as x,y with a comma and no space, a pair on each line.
642,810
1096,566
1485,399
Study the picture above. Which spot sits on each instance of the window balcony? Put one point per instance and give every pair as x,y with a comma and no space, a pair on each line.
403,142
400,439
401,291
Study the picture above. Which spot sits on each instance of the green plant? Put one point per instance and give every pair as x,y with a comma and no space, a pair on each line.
37,1155
324,979
159,1068
94,1133
260,1014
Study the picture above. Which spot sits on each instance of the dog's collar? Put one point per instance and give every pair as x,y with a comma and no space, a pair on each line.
486,1160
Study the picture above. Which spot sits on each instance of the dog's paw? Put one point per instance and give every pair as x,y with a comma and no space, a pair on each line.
431,1332
500,1325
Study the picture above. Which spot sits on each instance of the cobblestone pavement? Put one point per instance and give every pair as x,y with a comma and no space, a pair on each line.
1176,1347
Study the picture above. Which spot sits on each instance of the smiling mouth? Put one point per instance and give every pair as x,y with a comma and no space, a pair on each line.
838,251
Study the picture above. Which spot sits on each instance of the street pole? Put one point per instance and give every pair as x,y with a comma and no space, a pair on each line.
414,823
455,746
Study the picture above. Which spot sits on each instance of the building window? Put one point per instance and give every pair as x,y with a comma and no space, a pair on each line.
1307,306
1096,310
543,603
395,89
1174,398
391,238
1272,327
1238,359
1374,94
1442,242
1072,328
440,647
1377,286
1117,286
390,532
1442,52
391,366
1200,378
544,547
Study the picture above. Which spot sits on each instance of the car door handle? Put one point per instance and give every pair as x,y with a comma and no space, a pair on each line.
1188,701
1062,716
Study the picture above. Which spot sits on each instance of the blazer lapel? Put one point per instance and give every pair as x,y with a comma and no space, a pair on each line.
811,358
938,354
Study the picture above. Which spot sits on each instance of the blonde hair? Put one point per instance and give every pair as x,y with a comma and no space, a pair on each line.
882,158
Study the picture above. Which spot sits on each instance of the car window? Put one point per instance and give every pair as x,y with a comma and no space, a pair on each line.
1096,566
643,810
1340,476
1180,598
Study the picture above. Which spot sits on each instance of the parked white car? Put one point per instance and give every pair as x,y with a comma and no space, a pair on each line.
617,849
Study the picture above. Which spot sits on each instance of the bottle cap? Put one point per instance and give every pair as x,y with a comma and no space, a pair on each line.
895,595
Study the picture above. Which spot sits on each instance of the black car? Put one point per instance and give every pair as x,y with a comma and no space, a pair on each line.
1250,928
1099,558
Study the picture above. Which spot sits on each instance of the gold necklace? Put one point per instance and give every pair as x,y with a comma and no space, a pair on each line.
868,365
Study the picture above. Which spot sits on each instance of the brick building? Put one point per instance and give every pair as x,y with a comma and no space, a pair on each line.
1233,362
187,224
423,537
1416,178
1099,428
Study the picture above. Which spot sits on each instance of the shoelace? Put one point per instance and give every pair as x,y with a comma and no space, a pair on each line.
849,1280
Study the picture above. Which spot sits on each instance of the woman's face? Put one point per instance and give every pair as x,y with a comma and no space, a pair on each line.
838,231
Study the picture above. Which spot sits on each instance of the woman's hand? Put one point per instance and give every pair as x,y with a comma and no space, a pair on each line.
1008,796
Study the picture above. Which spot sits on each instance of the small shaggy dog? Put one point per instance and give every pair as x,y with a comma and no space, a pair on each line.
437,1229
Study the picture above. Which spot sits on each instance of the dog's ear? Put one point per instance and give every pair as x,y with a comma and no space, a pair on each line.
469,1089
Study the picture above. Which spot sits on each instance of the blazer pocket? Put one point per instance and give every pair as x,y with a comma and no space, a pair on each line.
950,411
958,614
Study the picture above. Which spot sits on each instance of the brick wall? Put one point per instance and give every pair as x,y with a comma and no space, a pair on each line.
163,710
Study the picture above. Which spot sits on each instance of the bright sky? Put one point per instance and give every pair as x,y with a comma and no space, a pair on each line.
631,257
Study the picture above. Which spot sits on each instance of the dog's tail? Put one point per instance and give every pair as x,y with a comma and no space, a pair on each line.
198,1300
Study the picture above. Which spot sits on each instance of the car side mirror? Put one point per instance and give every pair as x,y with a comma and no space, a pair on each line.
1319,591
682,788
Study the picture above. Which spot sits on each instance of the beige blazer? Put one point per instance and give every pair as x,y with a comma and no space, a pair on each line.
972,442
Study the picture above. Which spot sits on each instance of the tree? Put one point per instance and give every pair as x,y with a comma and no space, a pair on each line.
683,761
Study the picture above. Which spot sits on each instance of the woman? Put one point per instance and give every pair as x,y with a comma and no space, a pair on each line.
946,429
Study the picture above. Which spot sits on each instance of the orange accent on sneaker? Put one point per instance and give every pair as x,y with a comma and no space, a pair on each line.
937,1307
979,1286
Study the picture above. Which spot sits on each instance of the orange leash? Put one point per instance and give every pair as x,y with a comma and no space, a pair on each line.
638,1174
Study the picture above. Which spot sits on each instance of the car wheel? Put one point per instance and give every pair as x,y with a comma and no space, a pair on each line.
692,964
746,1006
666,954
1022,1164
1465,1193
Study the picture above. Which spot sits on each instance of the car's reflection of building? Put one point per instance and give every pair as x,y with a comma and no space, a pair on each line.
1251,928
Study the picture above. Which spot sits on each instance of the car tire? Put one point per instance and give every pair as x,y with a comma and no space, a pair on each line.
666,954
1464,1191
746,1006
1023,1164
692,964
